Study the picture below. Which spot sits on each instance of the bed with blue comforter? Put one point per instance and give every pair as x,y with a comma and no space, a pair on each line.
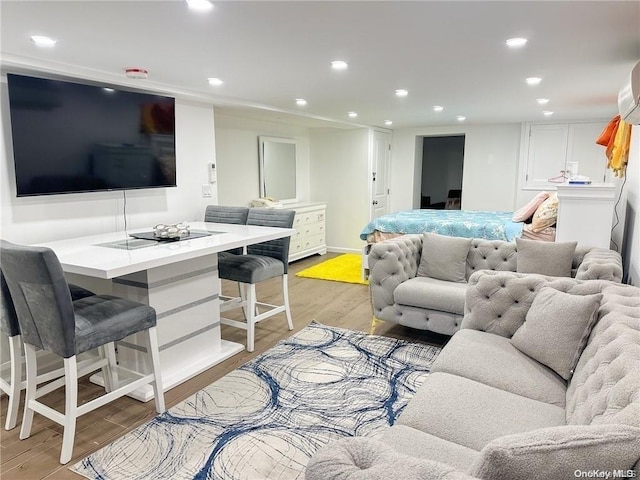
453,223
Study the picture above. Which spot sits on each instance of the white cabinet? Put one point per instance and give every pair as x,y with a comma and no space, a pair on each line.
310,226
547,149
585,214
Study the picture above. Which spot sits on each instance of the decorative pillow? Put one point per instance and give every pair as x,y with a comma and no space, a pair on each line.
444,258
545,258
559,452
546,214
556,329
530,208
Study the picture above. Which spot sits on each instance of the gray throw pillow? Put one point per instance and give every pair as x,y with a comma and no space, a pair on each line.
545,258
556,329
559,452
444,258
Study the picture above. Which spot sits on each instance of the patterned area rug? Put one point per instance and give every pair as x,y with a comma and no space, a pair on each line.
267,418
345,268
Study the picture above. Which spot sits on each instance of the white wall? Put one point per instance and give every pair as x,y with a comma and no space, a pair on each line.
52,217
339,166
627,233
490,165
237,156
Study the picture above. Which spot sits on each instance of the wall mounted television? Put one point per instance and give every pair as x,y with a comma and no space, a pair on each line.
72,137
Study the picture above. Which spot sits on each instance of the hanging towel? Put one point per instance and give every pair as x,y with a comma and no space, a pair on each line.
616,136
620,151
608,135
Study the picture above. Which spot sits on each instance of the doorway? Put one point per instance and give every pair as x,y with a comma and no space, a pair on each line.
442,166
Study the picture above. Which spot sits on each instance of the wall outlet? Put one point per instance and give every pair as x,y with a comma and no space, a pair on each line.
206,191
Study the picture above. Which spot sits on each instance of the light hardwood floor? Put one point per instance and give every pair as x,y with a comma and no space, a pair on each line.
330,303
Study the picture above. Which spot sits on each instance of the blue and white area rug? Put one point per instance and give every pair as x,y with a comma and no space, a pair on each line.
267,418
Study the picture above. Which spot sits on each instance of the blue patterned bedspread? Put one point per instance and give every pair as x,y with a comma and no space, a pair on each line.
454,223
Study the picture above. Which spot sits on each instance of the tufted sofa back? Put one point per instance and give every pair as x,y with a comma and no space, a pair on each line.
491,255
605,387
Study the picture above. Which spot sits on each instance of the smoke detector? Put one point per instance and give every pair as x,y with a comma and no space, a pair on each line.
136,72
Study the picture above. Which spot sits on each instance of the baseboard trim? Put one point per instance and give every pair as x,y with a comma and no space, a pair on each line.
343,250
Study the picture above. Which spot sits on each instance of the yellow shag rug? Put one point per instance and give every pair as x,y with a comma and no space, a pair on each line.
344,268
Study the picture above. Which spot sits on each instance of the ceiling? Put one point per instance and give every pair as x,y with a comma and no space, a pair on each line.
449,53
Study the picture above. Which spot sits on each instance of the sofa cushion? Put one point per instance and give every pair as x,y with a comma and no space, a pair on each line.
361,458
431,293
416,443
444,258
466,355
556,329
545,258
573,448
456,409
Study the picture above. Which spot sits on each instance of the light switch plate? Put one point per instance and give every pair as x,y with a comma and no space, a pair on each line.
206,191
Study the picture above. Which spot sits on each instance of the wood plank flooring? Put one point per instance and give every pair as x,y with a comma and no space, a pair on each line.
330,303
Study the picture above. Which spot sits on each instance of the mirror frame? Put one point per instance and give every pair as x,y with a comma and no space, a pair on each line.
261,142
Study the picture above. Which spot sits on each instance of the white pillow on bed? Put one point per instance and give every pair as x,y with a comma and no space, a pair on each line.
530,208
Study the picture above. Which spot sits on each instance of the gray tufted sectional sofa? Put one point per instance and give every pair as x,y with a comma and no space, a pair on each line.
398,295
488,411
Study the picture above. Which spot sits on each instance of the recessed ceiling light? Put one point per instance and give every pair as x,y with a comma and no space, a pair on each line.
547,113
401,92
301,102
339,65
388,122
43,41
200,5
516,42
461,118
216,82
108,90
353,114
438,108
533,80
542,101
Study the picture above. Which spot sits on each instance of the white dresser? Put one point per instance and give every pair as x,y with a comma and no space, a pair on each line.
310,226
585,214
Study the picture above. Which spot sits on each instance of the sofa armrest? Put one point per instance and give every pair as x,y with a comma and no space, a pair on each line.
368,459
390,263
600,264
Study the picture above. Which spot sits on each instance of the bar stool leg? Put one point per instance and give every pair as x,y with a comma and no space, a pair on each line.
158,392
285,297
15,353
250,312
32,372
70,408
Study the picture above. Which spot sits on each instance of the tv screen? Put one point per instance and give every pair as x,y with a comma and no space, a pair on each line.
71,137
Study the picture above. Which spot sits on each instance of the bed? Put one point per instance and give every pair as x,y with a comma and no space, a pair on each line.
491,225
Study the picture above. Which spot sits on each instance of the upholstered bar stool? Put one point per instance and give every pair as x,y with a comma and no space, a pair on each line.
263,261
51,321
226,214
10,328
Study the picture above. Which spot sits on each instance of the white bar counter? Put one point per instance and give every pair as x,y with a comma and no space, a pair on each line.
179,279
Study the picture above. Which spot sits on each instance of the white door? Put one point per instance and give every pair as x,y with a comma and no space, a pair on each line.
380,169
547,154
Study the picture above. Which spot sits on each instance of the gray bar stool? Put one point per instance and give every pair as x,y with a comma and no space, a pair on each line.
226,214
9,327
51,321
263,261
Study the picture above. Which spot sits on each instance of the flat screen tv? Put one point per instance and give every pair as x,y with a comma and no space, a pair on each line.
71,137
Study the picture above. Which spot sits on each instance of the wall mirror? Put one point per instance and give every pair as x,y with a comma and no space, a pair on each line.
278,168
